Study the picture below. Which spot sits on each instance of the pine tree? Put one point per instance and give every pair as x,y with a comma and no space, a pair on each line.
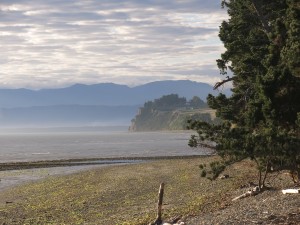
261,120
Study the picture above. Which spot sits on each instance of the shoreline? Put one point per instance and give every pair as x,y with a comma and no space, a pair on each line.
13,174
22,165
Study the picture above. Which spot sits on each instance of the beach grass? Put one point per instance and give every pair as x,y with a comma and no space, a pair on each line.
120,194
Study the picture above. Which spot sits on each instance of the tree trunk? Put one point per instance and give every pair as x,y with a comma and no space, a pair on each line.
265,175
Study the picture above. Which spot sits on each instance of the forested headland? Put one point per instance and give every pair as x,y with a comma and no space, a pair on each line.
171,112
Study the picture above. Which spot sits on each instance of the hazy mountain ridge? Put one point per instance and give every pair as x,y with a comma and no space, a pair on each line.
102,94
80,104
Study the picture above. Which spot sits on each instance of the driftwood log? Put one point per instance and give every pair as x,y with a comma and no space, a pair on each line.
251,192
291,191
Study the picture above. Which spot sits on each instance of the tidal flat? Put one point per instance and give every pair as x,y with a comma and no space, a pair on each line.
120,194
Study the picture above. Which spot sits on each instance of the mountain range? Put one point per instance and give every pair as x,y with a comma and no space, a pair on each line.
104,103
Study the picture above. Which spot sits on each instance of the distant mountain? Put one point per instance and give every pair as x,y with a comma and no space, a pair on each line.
102,94
184,88
98,104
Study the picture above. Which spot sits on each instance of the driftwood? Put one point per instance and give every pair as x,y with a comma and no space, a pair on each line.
291,191
251,192
174,221
225,176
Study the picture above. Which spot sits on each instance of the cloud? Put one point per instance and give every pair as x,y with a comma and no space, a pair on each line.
50,43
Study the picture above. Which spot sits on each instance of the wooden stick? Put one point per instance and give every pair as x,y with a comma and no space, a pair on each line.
160,201
158,219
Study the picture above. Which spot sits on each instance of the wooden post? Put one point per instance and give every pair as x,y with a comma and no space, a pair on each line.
160,201
158,219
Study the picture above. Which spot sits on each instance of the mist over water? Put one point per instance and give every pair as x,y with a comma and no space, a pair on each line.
94,142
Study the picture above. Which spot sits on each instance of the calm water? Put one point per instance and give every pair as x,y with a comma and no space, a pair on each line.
46,144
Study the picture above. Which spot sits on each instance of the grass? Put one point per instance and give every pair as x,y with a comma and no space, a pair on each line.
124,194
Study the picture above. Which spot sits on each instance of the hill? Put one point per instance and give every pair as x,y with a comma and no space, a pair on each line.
171,120
171,112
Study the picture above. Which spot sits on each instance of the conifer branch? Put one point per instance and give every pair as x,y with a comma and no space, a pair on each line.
218,84
261,17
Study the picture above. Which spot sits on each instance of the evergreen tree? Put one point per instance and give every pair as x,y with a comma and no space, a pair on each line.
261,120
169,102
196,102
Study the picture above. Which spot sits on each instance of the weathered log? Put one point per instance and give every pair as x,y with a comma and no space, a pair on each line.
251,192
291,191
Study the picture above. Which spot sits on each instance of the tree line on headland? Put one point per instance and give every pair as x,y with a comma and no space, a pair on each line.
170,112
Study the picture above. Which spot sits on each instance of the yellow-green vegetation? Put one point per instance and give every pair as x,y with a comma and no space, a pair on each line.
124,194
171,120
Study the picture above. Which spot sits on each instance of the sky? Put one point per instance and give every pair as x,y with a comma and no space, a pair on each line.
57,43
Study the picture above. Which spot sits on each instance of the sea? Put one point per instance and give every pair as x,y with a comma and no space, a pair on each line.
34,144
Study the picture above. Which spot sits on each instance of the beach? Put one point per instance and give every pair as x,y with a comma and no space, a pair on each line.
127,194
112,178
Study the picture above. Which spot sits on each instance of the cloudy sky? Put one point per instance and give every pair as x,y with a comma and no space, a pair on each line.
57,43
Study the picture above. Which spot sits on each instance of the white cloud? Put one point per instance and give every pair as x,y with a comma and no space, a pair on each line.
51,43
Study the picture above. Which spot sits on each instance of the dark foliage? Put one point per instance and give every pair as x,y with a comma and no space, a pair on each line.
261,120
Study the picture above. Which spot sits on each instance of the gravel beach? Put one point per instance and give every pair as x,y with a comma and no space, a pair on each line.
269,207
127,194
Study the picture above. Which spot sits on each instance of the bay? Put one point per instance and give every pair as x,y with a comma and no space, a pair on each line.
36,144
73,143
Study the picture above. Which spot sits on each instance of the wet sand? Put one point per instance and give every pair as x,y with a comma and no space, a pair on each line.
18,173
10,178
